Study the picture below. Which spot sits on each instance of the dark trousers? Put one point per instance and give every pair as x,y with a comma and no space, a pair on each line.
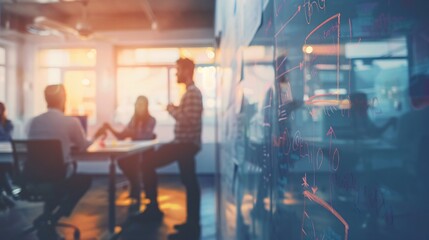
184,154
131,167
6,170
68,194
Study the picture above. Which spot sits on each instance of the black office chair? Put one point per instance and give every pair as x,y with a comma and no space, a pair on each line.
38,169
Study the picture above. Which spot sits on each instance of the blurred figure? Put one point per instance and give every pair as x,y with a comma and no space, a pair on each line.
6,128
53,124
182,149
6,125
363,125
140,127
419,91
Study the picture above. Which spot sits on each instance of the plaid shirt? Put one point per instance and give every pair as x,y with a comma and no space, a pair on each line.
188,117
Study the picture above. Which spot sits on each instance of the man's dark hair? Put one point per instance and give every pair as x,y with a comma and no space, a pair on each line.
54,95
186,64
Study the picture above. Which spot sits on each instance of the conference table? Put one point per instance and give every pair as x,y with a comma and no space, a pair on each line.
110,151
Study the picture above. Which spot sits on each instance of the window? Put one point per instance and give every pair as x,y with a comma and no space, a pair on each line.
151,72
2,74
381,71
75,68
148,81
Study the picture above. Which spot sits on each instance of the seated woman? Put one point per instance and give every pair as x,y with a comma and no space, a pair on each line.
140,127
6,128
6,125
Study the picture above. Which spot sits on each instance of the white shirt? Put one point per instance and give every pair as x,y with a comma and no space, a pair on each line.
54,125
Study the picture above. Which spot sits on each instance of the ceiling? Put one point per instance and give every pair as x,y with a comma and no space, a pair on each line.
111,15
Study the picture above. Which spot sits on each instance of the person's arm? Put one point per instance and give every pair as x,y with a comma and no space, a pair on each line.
375,131
77,135
151,125
190,109
126,132
146,132
6,130
392,122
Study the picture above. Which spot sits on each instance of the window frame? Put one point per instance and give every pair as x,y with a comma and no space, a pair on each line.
4,65
64,69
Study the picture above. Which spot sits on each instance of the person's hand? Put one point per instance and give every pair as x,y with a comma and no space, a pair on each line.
170,107
101,132
106,126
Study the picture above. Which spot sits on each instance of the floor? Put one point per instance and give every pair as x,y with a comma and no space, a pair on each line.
92,219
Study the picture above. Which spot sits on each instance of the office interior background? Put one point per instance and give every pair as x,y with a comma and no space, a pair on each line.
298,100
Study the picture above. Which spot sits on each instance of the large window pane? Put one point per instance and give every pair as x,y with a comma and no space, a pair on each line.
199,55
150,82
148,74
2,56
51,75
2,84
2,74
176,90
75,68
164,56
46,76
205,79
67,57
81,88
141,56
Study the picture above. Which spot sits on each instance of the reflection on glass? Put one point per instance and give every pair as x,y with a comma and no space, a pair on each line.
336,147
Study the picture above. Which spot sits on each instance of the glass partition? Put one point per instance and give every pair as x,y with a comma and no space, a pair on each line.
324,121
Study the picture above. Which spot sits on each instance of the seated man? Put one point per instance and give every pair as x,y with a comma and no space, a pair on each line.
54,125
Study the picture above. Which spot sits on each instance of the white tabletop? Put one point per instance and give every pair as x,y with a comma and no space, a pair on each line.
5,147
111,148
120,146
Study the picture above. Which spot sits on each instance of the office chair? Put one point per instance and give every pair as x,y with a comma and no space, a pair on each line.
38,169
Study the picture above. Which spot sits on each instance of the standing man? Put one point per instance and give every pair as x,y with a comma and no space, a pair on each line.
183,148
